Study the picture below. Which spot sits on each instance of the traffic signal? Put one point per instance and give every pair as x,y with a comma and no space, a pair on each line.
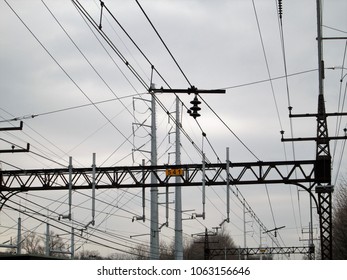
195,108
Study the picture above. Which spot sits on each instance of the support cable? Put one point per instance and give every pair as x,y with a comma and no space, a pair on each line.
339,105
266,63
86,15
161,39
281,31
271,84
32,116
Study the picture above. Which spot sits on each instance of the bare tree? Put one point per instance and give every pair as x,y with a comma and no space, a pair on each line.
88,255
201,247
57,246
166,251
340,222
33,244
140,252
120,256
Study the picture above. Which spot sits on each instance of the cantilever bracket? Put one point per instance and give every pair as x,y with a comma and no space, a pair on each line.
20,127
13,150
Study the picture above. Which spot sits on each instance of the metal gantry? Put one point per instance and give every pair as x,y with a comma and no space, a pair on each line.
246,173
260,251
243,173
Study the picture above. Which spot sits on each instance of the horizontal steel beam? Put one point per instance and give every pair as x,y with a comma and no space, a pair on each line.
246,173
189,90
316,115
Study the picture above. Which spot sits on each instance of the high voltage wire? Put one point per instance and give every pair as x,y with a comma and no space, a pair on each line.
272,90
110,43
165,45
75,222
90,239
100,212
32,116
271,79
266,62
341,100
281,31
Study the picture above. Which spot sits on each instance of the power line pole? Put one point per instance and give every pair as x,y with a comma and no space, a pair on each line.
178,191
154,227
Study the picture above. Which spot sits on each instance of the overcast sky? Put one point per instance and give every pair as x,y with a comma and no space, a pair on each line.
51,61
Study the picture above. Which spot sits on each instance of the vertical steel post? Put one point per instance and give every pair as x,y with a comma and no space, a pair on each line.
203,186
72,249
47,240
244,227
70,187
143,194
154,227
178,191
93,189
19,237
228,185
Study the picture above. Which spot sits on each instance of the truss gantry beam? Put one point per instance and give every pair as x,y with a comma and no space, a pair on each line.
247,173
260,251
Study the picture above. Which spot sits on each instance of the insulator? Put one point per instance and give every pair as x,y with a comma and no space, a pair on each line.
280,8
195,108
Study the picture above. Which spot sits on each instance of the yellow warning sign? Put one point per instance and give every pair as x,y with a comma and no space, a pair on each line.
174,172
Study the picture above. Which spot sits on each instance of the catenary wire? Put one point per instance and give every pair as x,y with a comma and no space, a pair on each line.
283,49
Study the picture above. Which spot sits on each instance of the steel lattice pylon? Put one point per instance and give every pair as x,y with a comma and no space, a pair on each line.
325,220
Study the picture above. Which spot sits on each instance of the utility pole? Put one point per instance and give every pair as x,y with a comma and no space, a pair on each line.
19,237
154,227
178,191
48,249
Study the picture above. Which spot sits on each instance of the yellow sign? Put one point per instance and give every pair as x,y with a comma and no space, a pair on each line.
174,172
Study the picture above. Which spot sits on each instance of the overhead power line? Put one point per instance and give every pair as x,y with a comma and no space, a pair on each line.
271,79
165,45
31,116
